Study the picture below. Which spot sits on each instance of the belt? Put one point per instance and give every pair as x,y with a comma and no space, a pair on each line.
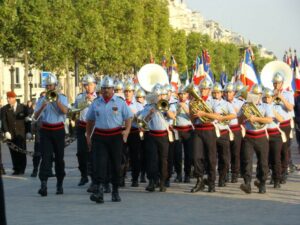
158,133
273,131
108,132
183,128
222,132
53,126
285,123
82,123
204,126
255,134
235,127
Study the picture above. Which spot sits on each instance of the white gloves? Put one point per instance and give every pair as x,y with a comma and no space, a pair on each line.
27,119
28,136
7,135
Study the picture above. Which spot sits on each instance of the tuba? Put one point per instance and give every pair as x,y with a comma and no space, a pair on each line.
198,104
249,109
151,74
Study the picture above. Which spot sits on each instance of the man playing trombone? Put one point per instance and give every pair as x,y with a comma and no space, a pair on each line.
52,110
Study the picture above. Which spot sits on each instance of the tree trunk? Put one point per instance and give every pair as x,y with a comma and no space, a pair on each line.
76,71
26,66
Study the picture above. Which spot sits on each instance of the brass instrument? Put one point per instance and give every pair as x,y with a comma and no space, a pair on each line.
249,109
276,99
141,122
163,105
198,104
224,122
51,95
73,112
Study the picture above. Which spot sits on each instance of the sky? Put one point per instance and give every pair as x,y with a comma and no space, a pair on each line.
273,23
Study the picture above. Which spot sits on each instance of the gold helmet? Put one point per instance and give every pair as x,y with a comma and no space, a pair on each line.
238,86
205,83
118,85
229,87
256,89
140,93
217,87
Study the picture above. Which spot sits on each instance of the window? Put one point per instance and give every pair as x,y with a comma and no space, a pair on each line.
17,75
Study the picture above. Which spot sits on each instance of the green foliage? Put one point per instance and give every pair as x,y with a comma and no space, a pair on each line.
105,36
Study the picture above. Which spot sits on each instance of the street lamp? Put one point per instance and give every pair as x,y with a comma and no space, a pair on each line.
12,76
30,76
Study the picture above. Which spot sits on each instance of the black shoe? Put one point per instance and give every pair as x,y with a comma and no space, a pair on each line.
2,171
162,188
34,173
122,182
199,186
107,188
115,197
134,183
187,179
59,187
98,195
167,183
222,183
83,181
16,173
234,178
178,178
151,186
143,179
43,190
262,188
92,188
246,188
211,188
283,179
276,184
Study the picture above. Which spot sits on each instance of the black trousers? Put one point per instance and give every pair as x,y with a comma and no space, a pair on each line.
223,145
285,153
275,148
186,144
297,129
1,163
84,157
261,147
2,203
205,151
157,149
143,155
171,154
134,147
235,152
107,150
37,154
52,141
19,160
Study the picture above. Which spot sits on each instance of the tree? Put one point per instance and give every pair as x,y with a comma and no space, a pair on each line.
178,49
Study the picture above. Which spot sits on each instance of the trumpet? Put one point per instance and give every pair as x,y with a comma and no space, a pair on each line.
163,105
276,99
249,109
51,95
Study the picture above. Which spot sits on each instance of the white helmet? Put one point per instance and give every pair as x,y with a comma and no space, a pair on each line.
89,78
157,89
107,82
51,79
278,77
229,87
268,92
118,85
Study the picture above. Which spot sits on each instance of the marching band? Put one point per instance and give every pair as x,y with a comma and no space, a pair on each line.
202,131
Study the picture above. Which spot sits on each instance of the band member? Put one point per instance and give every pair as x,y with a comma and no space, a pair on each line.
235,127
134,140
275,138
13,126
140,97
35,127
255,117
2,203
119,89
184,127
105,118
52,110
285,99
83,101
297,117
226,110
2,170
157,142
204,139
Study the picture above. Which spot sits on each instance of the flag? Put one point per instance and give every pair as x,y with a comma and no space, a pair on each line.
206,64
173,73
187,81
295,68
198,71
164,62
223,79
